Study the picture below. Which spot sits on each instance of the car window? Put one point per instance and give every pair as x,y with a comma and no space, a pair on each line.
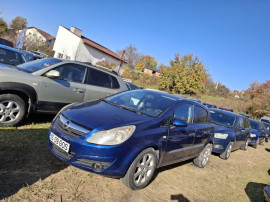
246,122
99,78
241,123
115,83
37,65
11,57
184,112
201,115
72,72
222,119
255,124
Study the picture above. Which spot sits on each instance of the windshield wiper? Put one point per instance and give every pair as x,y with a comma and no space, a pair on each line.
129,109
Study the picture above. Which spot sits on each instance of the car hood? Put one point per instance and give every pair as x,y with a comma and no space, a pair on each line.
254,131
221,129
102,116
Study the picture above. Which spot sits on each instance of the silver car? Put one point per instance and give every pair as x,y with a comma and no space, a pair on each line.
49,84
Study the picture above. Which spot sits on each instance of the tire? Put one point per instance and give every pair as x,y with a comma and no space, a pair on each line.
226,154
245,146
261,142
141,170
256,144
12,110
266,140
203,158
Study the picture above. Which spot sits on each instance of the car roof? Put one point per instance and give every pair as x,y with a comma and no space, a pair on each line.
226,112
9,48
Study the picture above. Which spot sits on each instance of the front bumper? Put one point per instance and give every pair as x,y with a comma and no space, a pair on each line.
220,145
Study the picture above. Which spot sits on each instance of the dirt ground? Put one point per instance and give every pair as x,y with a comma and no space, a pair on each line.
29,172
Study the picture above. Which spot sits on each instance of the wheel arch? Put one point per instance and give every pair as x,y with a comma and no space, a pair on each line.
26,92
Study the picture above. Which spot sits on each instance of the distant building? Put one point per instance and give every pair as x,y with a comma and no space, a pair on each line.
37,37
70,44
151,71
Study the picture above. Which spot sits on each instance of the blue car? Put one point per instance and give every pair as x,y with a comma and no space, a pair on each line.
10,56
258,134
130,134
232,132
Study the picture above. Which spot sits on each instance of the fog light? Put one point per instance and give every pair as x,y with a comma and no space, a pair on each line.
97,166
217,146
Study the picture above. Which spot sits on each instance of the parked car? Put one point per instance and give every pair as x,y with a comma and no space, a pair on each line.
266,127
257,134
196,100
29,56
230,132
209,105
48,84
245,115
130,134
10,56
265,119
6,42
226,109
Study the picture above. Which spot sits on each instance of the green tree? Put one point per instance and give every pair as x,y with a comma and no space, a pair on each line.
3,26
146,60
186,75
18,23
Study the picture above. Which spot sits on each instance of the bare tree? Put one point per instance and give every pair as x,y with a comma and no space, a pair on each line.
131,55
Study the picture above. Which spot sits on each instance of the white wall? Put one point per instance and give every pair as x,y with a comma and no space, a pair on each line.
87,53
66,43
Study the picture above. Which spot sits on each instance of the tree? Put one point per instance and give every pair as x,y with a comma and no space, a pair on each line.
18,23
146,60
186,75
131,56
3,26
260,95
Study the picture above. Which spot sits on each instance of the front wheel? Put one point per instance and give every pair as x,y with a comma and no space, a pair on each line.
141,170
12,109
256,144
226,154
203,158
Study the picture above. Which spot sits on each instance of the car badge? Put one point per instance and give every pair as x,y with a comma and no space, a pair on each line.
66,125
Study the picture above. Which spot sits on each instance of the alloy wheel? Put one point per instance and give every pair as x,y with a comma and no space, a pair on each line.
9,111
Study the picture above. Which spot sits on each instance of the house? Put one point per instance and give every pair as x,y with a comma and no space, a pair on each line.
70,44
37,37
151,71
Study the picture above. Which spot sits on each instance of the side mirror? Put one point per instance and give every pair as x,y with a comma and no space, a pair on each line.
179,123
242,129
52,74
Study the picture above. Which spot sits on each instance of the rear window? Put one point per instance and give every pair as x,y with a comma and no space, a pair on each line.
255,125
246,123
11,57
115,83
201,115
223,119
99,78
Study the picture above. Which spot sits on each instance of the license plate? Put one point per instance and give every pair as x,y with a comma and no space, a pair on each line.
59,142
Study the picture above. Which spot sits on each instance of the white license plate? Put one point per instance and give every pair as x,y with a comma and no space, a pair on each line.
59,142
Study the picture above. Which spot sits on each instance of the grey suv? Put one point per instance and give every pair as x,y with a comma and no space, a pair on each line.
47,85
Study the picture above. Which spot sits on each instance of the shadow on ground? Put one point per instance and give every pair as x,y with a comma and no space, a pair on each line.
179,198
254,191
24,159
38,118
267,149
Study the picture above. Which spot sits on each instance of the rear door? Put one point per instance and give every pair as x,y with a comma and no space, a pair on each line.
240,133
180,139
99,84
204,128
68,88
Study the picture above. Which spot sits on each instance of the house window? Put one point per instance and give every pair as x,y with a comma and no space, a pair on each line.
60,55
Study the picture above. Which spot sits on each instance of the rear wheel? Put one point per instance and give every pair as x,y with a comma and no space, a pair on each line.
141,170
12,109
226,154
203,158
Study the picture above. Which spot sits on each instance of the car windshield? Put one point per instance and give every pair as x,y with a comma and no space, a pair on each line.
36,65
149,103
222,119
11,57
265,120
255,125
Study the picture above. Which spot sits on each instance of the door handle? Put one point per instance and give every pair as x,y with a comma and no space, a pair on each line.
77,90
191,134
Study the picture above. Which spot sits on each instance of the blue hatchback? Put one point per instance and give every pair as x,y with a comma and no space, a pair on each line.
10,56
130,134
257,133
230,132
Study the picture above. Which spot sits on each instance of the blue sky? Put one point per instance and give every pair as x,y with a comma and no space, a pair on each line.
231,37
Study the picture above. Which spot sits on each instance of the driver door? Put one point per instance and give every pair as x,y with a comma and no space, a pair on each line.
68,88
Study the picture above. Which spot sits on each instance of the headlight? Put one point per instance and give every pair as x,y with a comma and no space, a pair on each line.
221,135
113,136
253,135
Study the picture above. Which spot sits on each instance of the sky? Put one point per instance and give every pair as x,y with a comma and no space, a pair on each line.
232,37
